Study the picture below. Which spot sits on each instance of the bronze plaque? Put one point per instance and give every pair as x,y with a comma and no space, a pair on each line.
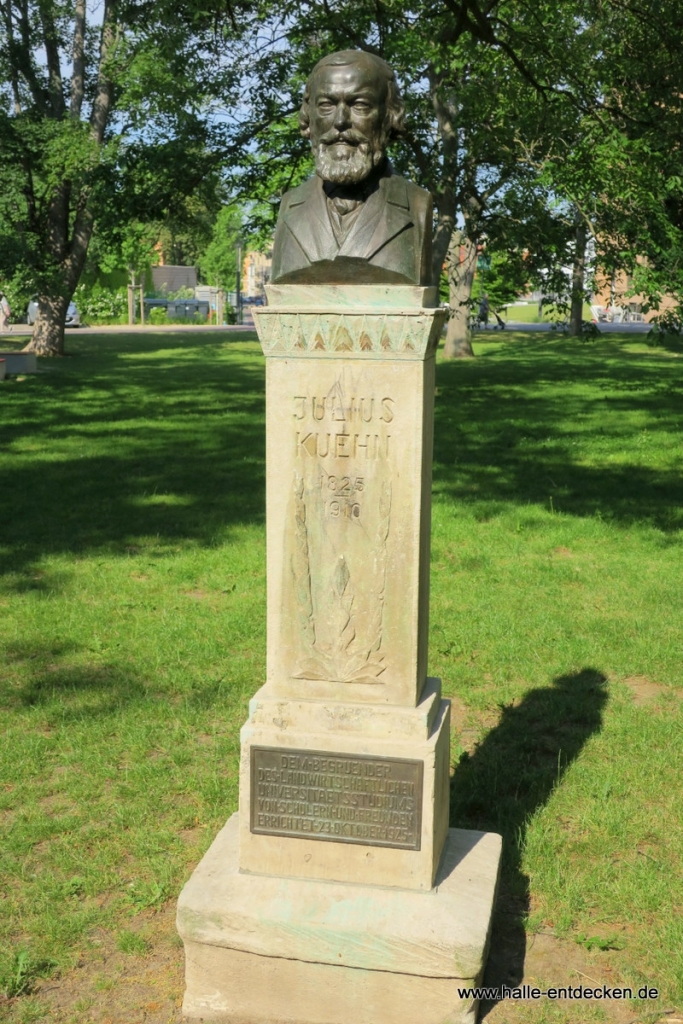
341,798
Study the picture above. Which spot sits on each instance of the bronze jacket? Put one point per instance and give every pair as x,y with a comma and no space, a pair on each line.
389,242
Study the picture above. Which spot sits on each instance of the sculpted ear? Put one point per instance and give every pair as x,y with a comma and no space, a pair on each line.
304,120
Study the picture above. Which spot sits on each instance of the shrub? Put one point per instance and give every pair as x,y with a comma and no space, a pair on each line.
158,315
667,325
102,306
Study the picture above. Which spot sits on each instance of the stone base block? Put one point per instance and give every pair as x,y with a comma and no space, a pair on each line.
316,729
19,362
270,950
242,988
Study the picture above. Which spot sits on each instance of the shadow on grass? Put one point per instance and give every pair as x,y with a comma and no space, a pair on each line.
666,342
72,691
510,776
519,427
162,437
159,437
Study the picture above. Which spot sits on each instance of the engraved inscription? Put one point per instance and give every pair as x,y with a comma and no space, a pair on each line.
336,408
343,798
342,445
345,418
342,494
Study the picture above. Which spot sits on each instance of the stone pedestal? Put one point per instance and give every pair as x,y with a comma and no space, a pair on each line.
338,893
276,950
371,784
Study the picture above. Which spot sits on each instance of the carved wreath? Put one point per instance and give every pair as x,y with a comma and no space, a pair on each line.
348,657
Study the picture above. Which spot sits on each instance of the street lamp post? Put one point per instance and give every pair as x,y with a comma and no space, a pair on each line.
238,284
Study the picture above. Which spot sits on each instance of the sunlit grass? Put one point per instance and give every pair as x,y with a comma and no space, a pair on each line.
132,607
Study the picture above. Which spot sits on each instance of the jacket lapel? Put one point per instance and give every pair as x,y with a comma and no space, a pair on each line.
311,226
385,214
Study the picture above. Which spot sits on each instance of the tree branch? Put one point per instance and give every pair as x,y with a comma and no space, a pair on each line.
78,73
54,70
105,87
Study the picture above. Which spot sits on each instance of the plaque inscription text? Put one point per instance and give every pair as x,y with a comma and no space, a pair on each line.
342,798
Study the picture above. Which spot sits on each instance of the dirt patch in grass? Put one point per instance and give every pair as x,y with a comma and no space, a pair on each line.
550,961
644,690
109,986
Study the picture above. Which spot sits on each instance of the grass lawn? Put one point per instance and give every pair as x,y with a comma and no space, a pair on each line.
132,615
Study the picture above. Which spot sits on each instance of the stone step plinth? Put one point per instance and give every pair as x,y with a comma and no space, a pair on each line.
266,949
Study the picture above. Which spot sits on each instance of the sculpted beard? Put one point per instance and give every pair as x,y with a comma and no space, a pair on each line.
350,164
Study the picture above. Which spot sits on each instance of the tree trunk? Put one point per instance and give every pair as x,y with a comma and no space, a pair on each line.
70,218
578,276
48,333
461,263
70,253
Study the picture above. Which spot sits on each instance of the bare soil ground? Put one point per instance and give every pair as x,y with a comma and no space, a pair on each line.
112,987
550,961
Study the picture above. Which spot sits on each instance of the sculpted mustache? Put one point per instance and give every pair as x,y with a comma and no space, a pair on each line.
353,138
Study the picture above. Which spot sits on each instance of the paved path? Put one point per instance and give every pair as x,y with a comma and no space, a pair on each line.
248,325
20,330
635,328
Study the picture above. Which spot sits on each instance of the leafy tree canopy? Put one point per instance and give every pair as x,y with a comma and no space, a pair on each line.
106,114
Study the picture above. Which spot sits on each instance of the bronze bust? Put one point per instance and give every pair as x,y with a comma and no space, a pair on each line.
355,221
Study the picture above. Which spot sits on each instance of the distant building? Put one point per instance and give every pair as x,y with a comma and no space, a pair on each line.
613,291
168,279
256,268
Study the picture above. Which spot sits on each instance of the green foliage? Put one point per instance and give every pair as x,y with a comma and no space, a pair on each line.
148,894
157,315
108,123
525,122
598,942
502,276
132,943
19,972
667,325
181,293
590,330
128,245
218,263
101,305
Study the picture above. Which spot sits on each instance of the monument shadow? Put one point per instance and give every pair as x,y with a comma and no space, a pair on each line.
510,774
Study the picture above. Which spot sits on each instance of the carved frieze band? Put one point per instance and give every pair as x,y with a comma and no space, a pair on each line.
411,333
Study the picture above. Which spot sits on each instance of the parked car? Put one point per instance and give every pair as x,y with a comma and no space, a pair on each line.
73,317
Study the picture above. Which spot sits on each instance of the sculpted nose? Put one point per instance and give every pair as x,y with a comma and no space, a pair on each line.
342,117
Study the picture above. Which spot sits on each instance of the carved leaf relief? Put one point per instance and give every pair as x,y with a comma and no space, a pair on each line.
348,654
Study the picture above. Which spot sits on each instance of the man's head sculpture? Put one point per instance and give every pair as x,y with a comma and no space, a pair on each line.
351,110
354,221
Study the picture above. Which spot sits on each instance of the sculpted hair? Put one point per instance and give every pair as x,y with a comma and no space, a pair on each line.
394,122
